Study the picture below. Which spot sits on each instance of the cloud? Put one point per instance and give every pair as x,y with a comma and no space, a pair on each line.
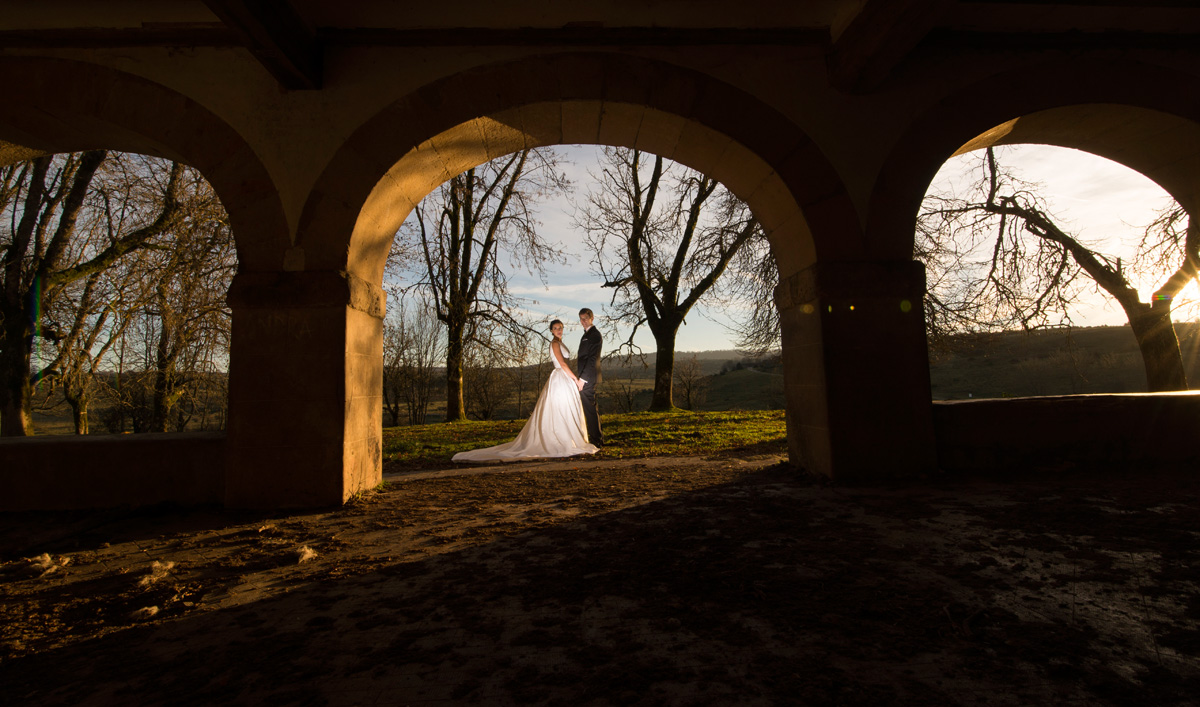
1096,194
591,289
1105,203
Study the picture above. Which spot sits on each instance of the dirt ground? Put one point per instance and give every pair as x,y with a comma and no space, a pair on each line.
666,581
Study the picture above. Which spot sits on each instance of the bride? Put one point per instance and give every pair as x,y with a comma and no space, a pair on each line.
555,428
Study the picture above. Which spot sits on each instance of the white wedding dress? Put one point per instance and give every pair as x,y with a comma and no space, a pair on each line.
555,428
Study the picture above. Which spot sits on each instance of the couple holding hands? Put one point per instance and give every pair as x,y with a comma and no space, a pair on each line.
564,422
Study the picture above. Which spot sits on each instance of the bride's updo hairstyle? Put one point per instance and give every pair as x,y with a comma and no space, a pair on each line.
566,351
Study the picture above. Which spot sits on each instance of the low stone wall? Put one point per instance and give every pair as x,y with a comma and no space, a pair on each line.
102,471
1010,435
1020,434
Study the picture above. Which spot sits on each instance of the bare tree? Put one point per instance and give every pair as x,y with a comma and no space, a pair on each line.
498,376
998,260
171,293
176,318
461,232
526,351
489,381
44,252
81,328
693,384
756,327
411,350
190,276
623,390
393,373
662,237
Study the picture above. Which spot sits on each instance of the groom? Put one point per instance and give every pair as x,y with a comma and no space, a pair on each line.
589,374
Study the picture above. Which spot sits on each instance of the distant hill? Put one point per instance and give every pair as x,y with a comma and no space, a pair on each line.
1009,364
711,362
746,389
1050,362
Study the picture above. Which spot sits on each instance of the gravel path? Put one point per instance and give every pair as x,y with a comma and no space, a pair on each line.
664,581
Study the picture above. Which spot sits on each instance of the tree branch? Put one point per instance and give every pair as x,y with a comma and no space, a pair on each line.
166,219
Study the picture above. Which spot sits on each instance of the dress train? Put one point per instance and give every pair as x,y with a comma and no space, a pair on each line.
555,428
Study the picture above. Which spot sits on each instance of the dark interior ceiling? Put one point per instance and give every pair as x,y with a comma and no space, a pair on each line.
864,40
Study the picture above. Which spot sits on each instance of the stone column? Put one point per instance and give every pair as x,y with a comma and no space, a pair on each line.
305,385
856,370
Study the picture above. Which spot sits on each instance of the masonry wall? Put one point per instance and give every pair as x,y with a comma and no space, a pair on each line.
102,471
1021,435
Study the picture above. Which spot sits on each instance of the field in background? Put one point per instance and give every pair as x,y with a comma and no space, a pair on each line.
642,434
1051,362
1011,364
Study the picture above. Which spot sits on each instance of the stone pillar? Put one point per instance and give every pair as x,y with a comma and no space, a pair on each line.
305,385
856,370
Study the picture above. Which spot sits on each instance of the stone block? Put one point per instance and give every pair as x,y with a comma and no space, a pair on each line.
813,450
772,202
295,475
700,147
581,122
574,77
363,469
102,471
276,422
1021,435
381,214
460,148
419,172
619,123
364,375
298,378
792,244
659,133
364,333
541,123
742,172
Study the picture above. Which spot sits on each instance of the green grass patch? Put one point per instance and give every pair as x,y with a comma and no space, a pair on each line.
631,435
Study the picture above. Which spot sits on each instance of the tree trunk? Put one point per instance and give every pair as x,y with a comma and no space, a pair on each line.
393,383
16,392
79,413
166,357
1156,338
664,373
161,402
416,397
418,390
456,410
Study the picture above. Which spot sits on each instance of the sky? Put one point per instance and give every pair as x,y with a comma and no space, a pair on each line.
1090,195
1105,204
574,285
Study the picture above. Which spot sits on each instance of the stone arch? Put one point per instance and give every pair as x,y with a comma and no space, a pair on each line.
1134,113
54,105
423,139
1137,114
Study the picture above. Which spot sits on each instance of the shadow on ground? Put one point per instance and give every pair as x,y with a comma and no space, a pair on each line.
688,582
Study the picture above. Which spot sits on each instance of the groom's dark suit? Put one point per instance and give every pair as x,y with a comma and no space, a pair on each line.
589,370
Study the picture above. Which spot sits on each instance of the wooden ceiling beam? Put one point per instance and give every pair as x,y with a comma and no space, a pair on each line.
878,38
190,35
574,36
278,38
